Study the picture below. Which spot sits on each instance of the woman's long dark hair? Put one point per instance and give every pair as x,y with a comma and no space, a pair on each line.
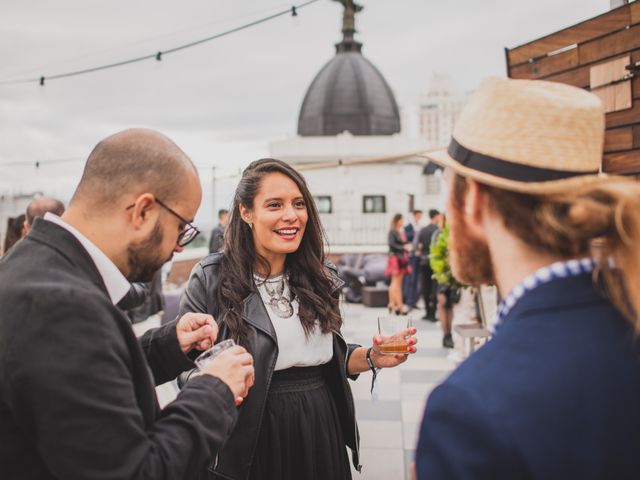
309,281
14,232
396,218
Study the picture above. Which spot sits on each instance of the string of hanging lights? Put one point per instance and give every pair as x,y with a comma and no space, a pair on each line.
159,55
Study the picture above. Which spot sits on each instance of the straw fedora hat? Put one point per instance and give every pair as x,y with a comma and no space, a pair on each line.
527,136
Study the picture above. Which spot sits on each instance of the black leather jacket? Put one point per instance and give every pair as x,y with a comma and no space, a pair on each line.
396,243
235,458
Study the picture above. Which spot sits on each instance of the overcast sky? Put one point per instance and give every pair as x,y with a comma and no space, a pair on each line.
223,101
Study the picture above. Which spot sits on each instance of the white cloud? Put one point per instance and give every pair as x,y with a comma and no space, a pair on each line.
223,101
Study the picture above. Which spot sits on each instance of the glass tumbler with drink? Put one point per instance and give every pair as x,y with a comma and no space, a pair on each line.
207,356
392,342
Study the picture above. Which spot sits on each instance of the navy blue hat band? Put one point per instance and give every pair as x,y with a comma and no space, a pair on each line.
507,170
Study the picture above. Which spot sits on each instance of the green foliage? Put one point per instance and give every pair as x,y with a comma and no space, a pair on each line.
439,260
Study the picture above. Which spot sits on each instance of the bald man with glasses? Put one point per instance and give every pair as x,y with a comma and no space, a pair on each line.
77,395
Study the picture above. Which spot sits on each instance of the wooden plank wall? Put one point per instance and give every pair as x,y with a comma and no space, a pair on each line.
567,56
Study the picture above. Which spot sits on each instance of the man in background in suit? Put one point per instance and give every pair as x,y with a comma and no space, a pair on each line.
217,234
77,396
412,281
555,393
37,207
19,226
421,246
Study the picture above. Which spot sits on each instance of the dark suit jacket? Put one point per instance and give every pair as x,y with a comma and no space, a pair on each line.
409,232
77,399
555,395
217,239
423,245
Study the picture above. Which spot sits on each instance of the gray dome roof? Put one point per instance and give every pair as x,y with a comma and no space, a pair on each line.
349,93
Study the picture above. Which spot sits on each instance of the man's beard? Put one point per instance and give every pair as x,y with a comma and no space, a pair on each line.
469,256
143,258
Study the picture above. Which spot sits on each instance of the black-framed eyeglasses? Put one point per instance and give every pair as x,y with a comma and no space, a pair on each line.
190,231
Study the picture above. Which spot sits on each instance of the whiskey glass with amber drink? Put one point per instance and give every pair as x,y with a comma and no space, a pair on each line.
391,331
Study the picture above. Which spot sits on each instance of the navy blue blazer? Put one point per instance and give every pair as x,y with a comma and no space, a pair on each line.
554,395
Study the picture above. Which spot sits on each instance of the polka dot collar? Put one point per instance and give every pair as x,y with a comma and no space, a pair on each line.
569,268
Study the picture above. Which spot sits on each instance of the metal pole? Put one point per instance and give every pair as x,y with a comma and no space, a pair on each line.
483,315
213,195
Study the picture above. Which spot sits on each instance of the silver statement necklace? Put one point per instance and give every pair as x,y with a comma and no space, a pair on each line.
280,304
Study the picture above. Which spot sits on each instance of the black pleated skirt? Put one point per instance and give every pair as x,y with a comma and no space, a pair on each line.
300,437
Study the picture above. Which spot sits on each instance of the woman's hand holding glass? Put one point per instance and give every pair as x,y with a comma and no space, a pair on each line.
394,343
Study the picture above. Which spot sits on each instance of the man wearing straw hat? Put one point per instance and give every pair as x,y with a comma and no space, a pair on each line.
555,394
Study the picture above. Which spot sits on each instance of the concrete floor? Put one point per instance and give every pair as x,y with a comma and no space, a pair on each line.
389,425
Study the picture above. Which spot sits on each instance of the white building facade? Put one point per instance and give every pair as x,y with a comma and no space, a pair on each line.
359,183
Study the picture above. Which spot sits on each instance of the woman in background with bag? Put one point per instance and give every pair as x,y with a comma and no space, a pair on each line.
397,264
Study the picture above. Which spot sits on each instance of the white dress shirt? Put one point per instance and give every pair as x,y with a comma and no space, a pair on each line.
116,283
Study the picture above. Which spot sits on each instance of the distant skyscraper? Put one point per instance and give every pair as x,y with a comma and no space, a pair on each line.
439,109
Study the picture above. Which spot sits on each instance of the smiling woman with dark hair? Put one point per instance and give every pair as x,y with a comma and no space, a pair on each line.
273,291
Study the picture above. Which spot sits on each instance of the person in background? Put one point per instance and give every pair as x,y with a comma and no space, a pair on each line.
13,233
77,396
444,294
38,206
144,299
397,264
422,242
411,282
217,234
273,290
554,394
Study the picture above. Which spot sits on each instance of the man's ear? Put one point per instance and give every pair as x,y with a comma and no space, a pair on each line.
474,204
139,212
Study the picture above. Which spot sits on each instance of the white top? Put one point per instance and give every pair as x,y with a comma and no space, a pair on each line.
116,283
295,349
